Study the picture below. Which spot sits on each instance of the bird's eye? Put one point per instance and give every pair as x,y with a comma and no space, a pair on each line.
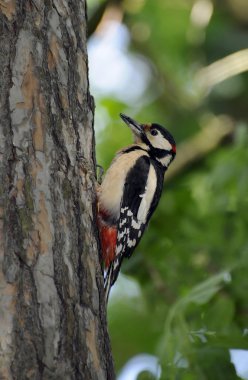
154,132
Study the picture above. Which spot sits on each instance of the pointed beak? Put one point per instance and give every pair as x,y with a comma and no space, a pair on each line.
136,128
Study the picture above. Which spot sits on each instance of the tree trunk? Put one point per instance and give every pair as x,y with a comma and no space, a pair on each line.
52,312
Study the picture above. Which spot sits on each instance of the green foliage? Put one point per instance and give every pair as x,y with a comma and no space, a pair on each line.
191,266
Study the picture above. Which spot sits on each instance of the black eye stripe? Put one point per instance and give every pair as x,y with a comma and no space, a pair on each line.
154,132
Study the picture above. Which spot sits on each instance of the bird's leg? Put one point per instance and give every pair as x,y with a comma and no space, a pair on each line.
99,173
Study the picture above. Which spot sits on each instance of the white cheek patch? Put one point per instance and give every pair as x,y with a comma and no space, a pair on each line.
160,142
165,161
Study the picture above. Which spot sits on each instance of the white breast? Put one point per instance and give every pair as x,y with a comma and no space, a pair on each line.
111,190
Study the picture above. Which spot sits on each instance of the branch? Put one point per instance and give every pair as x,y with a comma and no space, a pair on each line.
97,14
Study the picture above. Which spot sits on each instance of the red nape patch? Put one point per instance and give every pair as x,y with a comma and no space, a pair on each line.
174,149
108,237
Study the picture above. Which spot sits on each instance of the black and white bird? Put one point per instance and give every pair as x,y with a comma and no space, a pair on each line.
130,193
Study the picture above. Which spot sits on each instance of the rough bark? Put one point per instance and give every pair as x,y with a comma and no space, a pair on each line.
53,319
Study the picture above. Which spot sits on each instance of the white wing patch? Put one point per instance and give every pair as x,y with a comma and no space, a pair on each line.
123,222
121,234
148,195
118,248
131,243
135,224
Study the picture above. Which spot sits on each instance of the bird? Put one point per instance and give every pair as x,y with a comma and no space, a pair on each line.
130,192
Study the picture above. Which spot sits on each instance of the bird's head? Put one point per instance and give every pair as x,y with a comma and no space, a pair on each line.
158,140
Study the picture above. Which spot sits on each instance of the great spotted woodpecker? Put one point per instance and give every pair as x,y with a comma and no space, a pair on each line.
130,193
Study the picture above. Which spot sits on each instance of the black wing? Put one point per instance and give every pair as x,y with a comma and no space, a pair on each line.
130,227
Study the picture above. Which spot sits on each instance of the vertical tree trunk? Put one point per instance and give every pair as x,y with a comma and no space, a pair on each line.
53,322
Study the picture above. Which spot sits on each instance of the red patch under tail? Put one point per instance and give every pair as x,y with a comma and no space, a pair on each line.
108,238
